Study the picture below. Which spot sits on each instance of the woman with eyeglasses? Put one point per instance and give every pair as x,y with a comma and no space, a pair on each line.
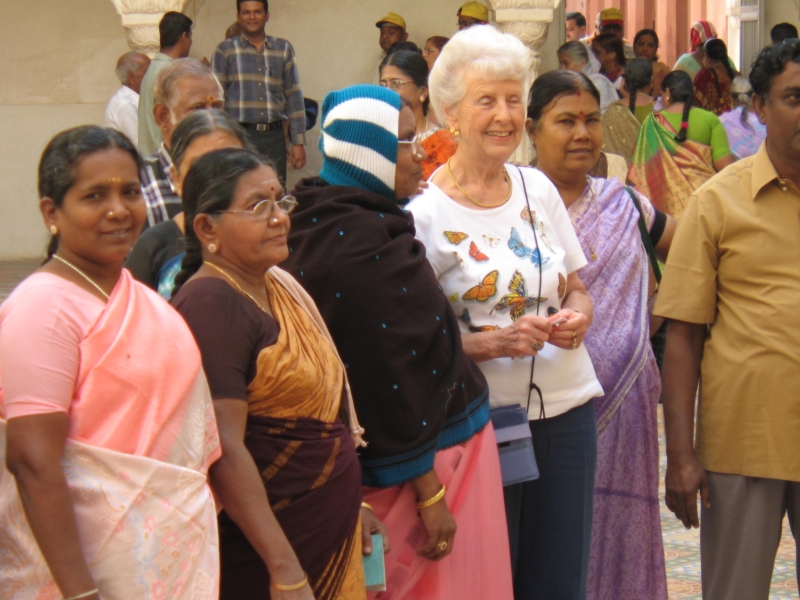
431,465
433,48
289,477
407,74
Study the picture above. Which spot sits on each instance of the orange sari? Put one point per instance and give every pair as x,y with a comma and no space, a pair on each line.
305,454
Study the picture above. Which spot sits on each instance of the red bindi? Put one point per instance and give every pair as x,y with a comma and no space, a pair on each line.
580,114
579,93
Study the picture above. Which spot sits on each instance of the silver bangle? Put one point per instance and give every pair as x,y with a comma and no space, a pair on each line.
84,594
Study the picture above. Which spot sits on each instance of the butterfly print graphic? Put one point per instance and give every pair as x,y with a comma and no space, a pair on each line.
477,254
521,250
517,300
455,237
486,289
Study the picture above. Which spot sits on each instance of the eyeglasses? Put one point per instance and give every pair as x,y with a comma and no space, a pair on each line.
427,50
416,145
265,208
393,84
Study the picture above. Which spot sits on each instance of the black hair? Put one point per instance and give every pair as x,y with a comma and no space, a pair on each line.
200,123
643,32
580,20
172,26
404,47
61,157
439,41
210,186
550,86
782,31
715,49
413,66
681,89
770,63
638,74
239,4
610,42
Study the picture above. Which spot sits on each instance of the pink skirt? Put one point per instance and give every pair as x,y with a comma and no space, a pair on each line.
479,566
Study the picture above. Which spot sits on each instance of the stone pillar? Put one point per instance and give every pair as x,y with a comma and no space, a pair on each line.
140,19
527,20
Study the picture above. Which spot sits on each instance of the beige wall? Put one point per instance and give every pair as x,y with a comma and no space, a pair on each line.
58,72
779,11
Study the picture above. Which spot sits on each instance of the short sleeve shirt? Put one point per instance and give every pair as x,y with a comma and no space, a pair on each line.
735,265
487,262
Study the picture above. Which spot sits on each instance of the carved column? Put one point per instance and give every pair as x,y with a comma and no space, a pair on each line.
140,19
527,20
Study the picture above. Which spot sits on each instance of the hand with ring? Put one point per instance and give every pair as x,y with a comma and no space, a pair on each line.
538,346
569,335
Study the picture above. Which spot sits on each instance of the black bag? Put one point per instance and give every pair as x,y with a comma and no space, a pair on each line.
659,339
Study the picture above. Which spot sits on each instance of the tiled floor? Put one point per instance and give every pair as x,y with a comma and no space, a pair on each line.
682,548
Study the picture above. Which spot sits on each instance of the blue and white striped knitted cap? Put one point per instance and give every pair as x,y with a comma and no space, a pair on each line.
359,138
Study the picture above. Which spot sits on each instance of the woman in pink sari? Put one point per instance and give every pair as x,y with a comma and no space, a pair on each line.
106,493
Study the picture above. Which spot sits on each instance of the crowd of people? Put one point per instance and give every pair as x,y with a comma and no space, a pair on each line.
216,387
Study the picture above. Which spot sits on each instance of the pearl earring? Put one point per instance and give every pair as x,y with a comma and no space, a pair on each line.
212,248
53,229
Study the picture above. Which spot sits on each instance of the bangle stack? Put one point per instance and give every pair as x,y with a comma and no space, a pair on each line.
433,500
291,588
84,594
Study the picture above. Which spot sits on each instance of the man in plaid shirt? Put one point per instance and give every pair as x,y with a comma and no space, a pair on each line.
262,89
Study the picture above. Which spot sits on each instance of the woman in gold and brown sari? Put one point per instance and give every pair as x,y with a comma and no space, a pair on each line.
289,480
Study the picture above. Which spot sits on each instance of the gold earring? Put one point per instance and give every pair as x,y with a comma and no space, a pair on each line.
455,132
53,229
422,99
212,248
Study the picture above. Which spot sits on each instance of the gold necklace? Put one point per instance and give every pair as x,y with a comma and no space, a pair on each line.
236,285
82,274
593,200
470,198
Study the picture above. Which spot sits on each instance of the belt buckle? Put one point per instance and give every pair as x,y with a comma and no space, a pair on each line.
261,127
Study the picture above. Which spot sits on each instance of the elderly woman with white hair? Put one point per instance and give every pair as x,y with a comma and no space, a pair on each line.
504,251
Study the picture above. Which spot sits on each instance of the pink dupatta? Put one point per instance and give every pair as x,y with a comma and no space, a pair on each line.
142,436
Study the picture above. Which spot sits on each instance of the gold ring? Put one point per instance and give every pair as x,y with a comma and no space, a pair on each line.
538,346
574,343
442,546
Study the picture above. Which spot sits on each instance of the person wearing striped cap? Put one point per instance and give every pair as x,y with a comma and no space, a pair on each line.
431,462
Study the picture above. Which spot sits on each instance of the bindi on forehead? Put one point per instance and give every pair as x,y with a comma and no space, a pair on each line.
579,93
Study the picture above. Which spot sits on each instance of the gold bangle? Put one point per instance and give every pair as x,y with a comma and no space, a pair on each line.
431,501
369,506
290,588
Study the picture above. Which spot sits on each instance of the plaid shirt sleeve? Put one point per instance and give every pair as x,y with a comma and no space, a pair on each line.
295,107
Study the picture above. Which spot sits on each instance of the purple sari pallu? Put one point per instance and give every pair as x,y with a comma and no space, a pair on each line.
627,551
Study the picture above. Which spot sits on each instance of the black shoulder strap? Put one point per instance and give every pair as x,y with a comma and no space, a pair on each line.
648,243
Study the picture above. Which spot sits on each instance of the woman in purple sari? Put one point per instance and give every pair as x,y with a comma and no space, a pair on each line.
627,554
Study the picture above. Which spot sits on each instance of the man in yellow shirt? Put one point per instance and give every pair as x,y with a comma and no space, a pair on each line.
732,293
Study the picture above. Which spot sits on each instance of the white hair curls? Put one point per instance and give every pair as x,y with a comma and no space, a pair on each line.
480,50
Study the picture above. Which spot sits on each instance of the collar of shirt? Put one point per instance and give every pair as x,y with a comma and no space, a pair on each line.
764,173
128,93
161,57
166,162
245,41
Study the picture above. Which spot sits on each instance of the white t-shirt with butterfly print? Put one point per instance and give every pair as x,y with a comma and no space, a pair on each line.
486,261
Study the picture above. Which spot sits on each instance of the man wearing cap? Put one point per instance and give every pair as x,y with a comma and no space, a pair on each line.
393,30
611,20
472,13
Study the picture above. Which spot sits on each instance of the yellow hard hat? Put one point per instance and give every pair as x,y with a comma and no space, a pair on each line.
392,19
475,10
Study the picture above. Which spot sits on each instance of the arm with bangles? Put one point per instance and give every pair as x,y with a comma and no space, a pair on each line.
34,447
238,485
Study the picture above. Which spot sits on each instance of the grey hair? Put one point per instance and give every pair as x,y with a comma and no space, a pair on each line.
577,52
483,51
742,92
166,82
127,64
200,123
